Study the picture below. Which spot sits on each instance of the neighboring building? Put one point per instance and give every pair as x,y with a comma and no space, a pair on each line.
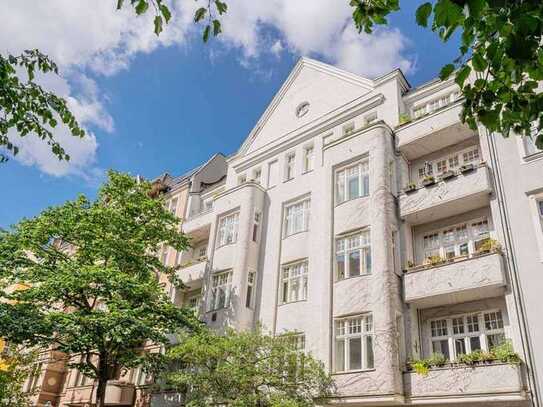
365,216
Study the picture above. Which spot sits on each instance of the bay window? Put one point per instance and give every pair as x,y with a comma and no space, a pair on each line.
220,290
353,255
352,182
228,229
296,217
354,342
464,334
294,280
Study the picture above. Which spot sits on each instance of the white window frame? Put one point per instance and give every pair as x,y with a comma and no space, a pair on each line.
257,175
347,245
294,282
255,232
242,179
440,244
345,331
434,105
296,217
309,158
221,287
172,205
193,301
342,177
451,161
452,337
290,166
251,287
228,229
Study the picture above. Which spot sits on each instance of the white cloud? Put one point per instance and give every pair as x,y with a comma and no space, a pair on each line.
88,38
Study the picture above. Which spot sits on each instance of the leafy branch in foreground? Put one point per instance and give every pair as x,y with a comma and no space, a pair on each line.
15,367
26,107
500,58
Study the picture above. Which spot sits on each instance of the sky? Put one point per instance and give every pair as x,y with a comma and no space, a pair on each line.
152,105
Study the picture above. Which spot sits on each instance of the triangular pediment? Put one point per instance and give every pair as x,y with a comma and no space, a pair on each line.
312,90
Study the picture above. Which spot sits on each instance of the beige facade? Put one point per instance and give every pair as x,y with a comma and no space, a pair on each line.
365,216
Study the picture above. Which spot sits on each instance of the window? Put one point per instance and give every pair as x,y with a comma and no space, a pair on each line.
529,145
140,377
251,280
289,166
228,229
441,166
242,179
33,378
296,217
353,255
540,208
193,302
207,205
257,175
354,344
463,334
294,282
202,251
178,256
348,128
220,290
308,159
256,226
456,241
435,104
172,206
352,182
272,174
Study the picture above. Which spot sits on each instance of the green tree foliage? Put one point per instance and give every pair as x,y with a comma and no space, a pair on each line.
245,369
89,275
29,109
15,367
500,47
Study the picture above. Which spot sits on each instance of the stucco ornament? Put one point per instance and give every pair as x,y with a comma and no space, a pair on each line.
302,109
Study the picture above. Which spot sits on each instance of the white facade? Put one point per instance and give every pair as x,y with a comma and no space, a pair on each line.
310,230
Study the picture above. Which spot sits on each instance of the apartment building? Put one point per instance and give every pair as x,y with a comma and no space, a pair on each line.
365,216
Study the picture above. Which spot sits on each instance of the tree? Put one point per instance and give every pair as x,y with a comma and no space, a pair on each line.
15,368
89,273
245,369
500,46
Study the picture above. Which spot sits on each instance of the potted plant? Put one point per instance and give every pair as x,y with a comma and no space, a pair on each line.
428,180
404,118
489,245
466,168
433,260
448,174
410,187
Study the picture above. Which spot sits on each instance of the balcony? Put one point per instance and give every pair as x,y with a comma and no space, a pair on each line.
198,221
432,132
117,394
192,272
464,191
491,383
456,281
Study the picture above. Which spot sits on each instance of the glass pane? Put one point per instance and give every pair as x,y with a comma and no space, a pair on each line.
365,185
463,249
340,355
340,264
340,185
354,190
460,346
495,340
475,343
355,353
354,263
367,252
369,353
441,347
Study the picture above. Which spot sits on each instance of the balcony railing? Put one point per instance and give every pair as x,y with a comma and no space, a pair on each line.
493,383
465,190
456,280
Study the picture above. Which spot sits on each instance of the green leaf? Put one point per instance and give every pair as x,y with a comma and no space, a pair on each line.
200,14
221,7
216,27
141,7
165,13
205,35
158,24
475,7
446,71
462,75
422,14
119,4
479,63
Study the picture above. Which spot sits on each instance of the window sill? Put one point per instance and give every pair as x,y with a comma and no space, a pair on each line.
292,302
288,180
217,310
532,157
352,199
307,171
352,277
295,233
225,245
353,371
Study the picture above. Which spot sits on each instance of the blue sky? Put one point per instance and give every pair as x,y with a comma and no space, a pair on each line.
172,105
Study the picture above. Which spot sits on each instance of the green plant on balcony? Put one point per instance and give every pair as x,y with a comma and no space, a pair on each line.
410,187
434,260
505,353
475,357
404,118
488,246
466,168
410,264
422,366
428,180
